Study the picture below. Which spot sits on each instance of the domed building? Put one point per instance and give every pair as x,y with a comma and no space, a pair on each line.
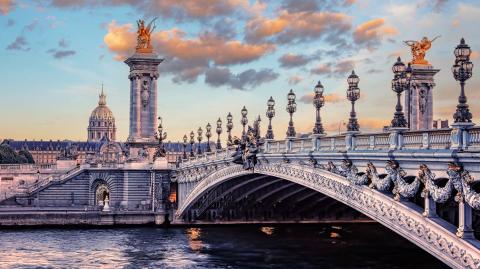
102,122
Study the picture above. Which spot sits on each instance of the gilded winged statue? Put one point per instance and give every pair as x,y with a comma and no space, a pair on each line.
144,36
419,49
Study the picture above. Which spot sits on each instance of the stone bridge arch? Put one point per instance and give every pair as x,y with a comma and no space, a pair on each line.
434,235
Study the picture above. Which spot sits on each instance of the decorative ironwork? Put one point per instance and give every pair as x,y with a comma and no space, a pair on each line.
192,141
229,129
208,134
256,127
353,94
270,114
291,108
400,83
462,71
185,140
199,138
318,102
244,120
219,132
160,152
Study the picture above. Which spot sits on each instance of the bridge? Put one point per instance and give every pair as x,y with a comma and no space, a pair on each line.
410,182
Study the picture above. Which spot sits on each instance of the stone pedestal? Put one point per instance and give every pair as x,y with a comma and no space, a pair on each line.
316,141
396,137
419,98
350,139
143,103
459,135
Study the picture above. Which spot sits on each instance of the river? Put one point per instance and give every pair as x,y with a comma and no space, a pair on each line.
292,247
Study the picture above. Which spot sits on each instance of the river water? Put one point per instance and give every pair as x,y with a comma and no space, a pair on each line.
291,247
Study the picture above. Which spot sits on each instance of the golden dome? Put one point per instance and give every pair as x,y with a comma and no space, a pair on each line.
102,112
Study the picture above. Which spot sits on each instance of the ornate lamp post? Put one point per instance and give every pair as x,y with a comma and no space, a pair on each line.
353,93
208,134
185,140
192,141
244,120
400,83
160,136
270,114
462,71
318,102
219,131
229,128
291,108
199,132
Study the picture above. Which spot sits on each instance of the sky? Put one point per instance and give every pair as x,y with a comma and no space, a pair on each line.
220,56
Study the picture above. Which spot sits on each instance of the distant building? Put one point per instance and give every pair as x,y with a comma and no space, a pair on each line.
102,122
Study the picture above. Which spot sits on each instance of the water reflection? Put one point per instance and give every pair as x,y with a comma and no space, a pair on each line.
267,230
355,246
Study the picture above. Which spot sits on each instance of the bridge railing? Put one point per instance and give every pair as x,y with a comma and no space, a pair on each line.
382,141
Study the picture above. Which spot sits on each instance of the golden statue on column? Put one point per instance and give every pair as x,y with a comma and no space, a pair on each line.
419,49
144,44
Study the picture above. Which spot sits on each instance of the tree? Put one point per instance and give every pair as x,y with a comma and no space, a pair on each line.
9,156
27,155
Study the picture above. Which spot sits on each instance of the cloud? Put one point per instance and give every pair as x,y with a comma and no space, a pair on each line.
59,54
294,27
290,60
5,6
295,79
63,43
220,76
321,69
62,52
20,43
10,22
329,98
180,10
314,5
186,58
338,69
371,33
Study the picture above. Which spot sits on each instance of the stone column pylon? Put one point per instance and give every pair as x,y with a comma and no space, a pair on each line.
143,100
419,97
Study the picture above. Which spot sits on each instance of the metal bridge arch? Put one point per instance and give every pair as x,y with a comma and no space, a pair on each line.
434,235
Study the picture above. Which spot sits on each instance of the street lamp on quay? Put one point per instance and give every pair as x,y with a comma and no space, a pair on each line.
208,134
318,102
199,138
400,83
270,114
185,140
462,71
244,120
229,128
219,131
291,108
192,141
353,94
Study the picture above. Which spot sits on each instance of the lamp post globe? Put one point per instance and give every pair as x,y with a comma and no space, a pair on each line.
318,102
219,132
270,114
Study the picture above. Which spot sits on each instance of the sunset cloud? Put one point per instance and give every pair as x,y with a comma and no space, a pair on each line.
5,6
186,58
371,33
291,27
290,60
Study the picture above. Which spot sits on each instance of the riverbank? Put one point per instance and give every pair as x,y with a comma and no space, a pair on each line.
69,218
